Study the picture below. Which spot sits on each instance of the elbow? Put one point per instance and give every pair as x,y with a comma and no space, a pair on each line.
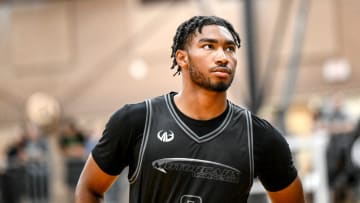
85,194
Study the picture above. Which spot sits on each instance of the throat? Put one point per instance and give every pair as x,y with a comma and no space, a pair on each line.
202,126
200,107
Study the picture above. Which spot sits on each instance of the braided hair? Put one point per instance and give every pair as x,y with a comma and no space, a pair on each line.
187,30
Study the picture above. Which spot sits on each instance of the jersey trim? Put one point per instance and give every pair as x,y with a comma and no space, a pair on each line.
144,141
192,134
250,146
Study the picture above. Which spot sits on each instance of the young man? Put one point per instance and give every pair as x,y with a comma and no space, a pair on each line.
195,145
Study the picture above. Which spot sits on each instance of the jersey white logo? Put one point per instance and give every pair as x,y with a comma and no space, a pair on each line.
199,169
165,136
190,199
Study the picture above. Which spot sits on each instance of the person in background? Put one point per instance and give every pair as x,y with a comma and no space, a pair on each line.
72,144
337,122
12,182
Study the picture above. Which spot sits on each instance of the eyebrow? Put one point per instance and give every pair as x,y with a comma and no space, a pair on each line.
210,40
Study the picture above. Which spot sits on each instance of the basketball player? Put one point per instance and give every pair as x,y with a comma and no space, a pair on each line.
194,145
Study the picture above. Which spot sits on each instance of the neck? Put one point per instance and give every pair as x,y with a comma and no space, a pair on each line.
202,104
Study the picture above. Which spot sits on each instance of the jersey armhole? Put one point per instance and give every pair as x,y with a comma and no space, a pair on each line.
134,176
250,146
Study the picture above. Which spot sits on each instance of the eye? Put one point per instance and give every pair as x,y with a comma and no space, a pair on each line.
208,46
231,49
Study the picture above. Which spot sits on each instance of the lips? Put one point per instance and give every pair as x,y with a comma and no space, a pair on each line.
219,69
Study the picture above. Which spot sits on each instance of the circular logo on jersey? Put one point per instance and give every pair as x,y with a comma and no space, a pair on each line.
165,136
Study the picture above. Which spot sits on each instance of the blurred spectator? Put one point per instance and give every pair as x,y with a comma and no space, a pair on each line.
333,116
13,178
27,174
37,164
94,136
354,163
72,140
72,143
337,122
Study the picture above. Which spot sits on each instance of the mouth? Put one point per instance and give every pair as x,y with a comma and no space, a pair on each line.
221,70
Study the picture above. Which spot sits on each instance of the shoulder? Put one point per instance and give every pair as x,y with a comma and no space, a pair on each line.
264,131
261,127
129,113
133,115
126,122
262,124
269,143
113,151
129,109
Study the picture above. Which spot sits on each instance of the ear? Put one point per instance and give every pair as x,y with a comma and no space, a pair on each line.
182,58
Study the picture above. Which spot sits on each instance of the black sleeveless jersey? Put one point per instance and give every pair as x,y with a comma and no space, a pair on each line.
177,165
170,163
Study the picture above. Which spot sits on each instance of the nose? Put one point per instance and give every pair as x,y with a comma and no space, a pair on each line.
221,58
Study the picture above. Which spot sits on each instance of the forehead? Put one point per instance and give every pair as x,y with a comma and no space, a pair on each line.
214,31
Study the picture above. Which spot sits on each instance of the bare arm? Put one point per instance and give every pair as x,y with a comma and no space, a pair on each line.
292,193
93,183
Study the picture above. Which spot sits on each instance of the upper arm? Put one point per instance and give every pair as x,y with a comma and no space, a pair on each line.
117,148
292,193
93,181
274,164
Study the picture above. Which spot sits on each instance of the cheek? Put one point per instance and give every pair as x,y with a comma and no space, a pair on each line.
233,59
198,60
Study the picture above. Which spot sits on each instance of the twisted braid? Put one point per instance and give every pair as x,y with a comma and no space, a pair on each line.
187,30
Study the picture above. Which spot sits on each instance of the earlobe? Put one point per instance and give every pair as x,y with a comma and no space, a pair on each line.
182,58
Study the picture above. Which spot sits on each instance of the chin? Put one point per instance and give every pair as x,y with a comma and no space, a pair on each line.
220,88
